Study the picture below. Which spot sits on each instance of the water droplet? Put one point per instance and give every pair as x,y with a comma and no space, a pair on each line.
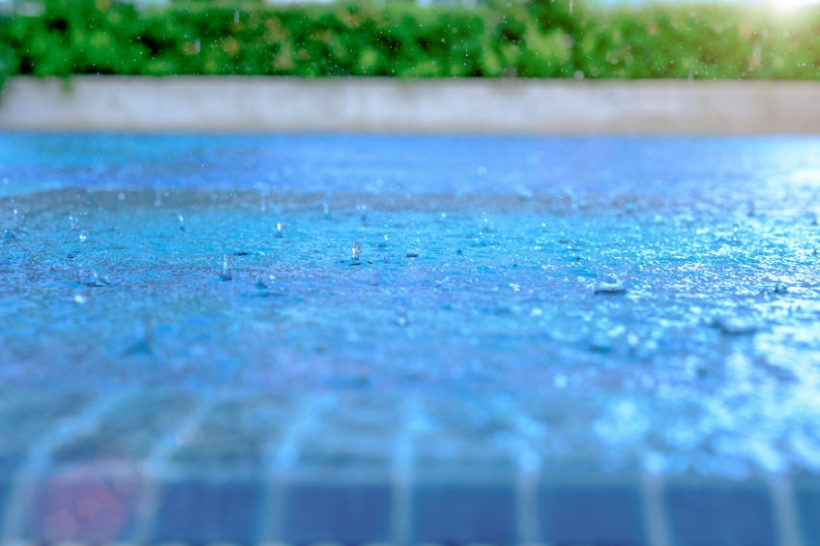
356,251
280,229
227,268
181,220
93,280
735,236
362,209
143,345
264,282
326,210
610,286
83,236
80,299
735,326
402,318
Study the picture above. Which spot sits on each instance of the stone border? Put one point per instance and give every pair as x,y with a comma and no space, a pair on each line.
251,104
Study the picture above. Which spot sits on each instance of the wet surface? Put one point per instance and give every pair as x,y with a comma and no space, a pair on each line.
431,308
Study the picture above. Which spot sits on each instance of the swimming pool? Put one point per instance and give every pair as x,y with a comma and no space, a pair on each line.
535,328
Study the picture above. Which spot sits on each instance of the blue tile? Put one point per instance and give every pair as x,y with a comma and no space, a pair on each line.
592,514
465,513
84,507
732,514
808,510
337,512
5,491
203,511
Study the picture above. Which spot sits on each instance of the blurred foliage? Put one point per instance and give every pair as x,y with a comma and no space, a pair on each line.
525,38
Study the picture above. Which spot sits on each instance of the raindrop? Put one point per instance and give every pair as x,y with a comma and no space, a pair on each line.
80,299
356,251
326,210
83,236
181,220
735,326
263,283
227,268
610,286
600,342
94,280
402,318
362,210
280,230
735,236
143,346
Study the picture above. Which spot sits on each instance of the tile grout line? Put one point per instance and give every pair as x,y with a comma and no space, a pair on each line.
157,467
785,513
39,458
529,463
655,507
402,474
280,460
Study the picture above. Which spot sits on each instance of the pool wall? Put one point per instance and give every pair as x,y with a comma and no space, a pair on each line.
244,104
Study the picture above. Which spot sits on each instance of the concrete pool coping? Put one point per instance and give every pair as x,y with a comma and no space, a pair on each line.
259,104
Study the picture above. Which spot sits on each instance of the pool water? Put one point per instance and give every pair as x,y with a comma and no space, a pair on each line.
520,308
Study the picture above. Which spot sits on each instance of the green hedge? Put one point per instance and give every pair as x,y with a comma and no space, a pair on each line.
537,38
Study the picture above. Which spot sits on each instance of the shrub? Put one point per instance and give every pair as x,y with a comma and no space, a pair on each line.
527,38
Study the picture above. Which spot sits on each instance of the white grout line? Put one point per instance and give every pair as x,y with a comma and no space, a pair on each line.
529,462
657,524
39,458
785,512
283,453
157,467
402,472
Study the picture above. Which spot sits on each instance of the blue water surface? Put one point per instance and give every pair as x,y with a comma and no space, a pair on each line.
655,299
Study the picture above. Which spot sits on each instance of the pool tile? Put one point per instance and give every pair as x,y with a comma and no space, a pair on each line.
461,513
807,500
591,513
85,507
343,512
209,511
715,513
